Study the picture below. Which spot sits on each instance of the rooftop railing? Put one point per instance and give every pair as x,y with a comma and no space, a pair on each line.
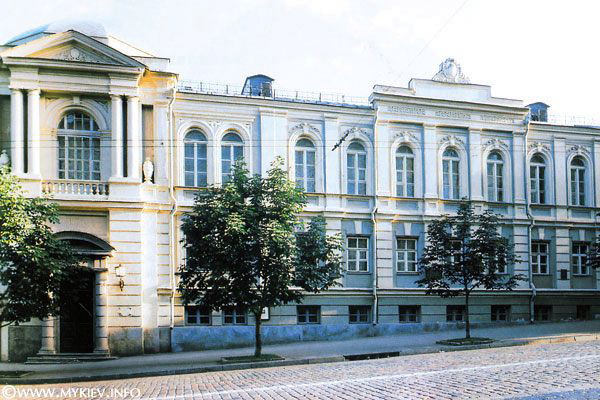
573,120
275,94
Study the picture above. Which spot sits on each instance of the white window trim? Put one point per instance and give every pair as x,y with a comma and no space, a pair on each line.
406,263
196,143
498,172
549,177
357,250
587,176
463,178
415,146
538,258
307,131
576,268
358,135
304,151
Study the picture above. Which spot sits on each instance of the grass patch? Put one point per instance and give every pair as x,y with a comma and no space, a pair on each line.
465,342
247,359
13,374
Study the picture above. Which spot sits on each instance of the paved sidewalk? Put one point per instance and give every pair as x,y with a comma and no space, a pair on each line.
300,352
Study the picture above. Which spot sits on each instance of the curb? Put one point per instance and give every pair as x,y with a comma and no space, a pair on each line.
304,361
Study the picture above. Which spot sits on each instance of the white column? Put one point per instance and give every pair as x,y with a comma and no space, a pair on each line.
16,131
33,132
101,317
134,145
475,164
48,344
116,136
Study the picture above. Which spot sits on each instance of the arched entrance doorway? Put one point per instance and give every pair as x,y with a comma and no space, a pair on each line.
82,321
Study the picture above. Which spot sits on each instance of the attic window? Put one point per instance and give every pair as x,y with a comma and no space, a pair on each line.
78,121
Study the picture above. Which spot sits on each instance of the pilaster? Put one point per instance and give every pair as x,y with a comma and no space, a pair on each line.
17,155
475,172
116,137
134,145
33,133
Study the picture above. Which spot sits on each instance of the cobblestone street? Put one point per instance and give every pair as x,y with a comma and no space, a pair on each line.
553,371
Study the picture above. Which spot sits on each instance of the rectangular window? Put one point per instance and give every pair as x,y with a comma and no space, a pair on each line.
358,254
539,258
500,313
406,255
197,315
79,158
584,312
542,313
234,316
359,314
408,314
309,315
579,264
455,313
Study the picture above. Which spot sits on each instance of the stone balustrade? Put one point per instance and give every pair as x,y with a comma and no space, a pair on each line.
76,188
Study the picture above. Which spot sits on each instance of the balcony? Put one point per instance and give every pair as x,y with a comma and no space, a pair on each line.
76,189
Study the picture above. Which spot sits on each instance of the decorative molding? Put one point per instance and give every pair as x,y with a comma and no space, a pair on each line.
579,150
539,147
78,54
214,124
450,71
452,140
304,127
355,130
405,136
495,143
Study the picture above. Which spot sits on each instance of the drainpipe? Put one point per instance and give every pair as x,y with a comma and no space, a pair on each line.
172,225
374,220
529,226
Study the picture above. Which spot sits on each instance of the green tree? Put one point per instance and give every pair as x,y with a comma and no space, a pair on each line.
466,252
34,265
244,247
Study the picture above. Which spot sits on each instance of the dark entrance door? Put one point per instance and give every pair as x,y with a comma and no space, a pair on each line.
77,316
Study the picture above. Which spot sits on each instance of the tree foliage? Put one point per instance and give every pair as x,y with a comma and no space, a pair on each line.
466,252
34,265
244,247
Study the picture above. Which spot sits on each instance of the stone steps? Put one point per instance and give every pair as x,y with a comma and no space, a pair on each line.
68,358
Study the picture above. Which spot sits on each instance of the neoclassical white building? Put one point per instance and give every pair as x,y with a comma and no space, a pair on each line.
122,145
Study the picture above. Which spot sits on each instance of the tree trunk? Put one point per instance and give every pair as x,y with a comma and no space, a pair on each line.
467,320
258,337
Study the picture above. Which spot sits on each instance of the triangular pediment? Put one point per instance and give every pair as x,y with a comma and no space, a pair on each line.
72,46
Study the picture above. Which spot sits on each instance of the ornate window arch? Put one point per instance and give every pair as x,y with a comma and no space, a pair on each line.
300,138
232,150
305,162
405,171
79,149
195,153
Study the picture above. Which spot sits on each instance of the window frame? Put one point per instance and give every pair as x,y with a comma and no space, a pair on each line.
538,184
579,259
406,317
198,315
499,310
405,188
357,312
79,141
578,182
357,250
538,254
195,173
237,316
232,146
406,251
304,166
541,310
496,181
452,313
453,172
304,313
355,167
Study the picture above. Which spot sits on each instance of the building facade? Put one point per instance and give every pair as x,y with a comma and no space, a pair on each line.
122,145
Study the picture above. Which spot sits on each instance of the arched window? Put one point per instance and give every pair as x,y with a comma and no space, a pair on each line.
495,178
537,179
195,159
78,147
356,168
578,181
232,150
451,174
305,165
405,172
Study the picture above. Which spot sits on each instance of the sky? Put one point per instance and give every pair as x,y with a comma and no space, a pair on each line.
528,49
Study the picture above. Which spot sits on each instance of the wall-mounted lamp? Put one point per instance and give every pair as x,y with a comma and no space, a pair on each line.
120,273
